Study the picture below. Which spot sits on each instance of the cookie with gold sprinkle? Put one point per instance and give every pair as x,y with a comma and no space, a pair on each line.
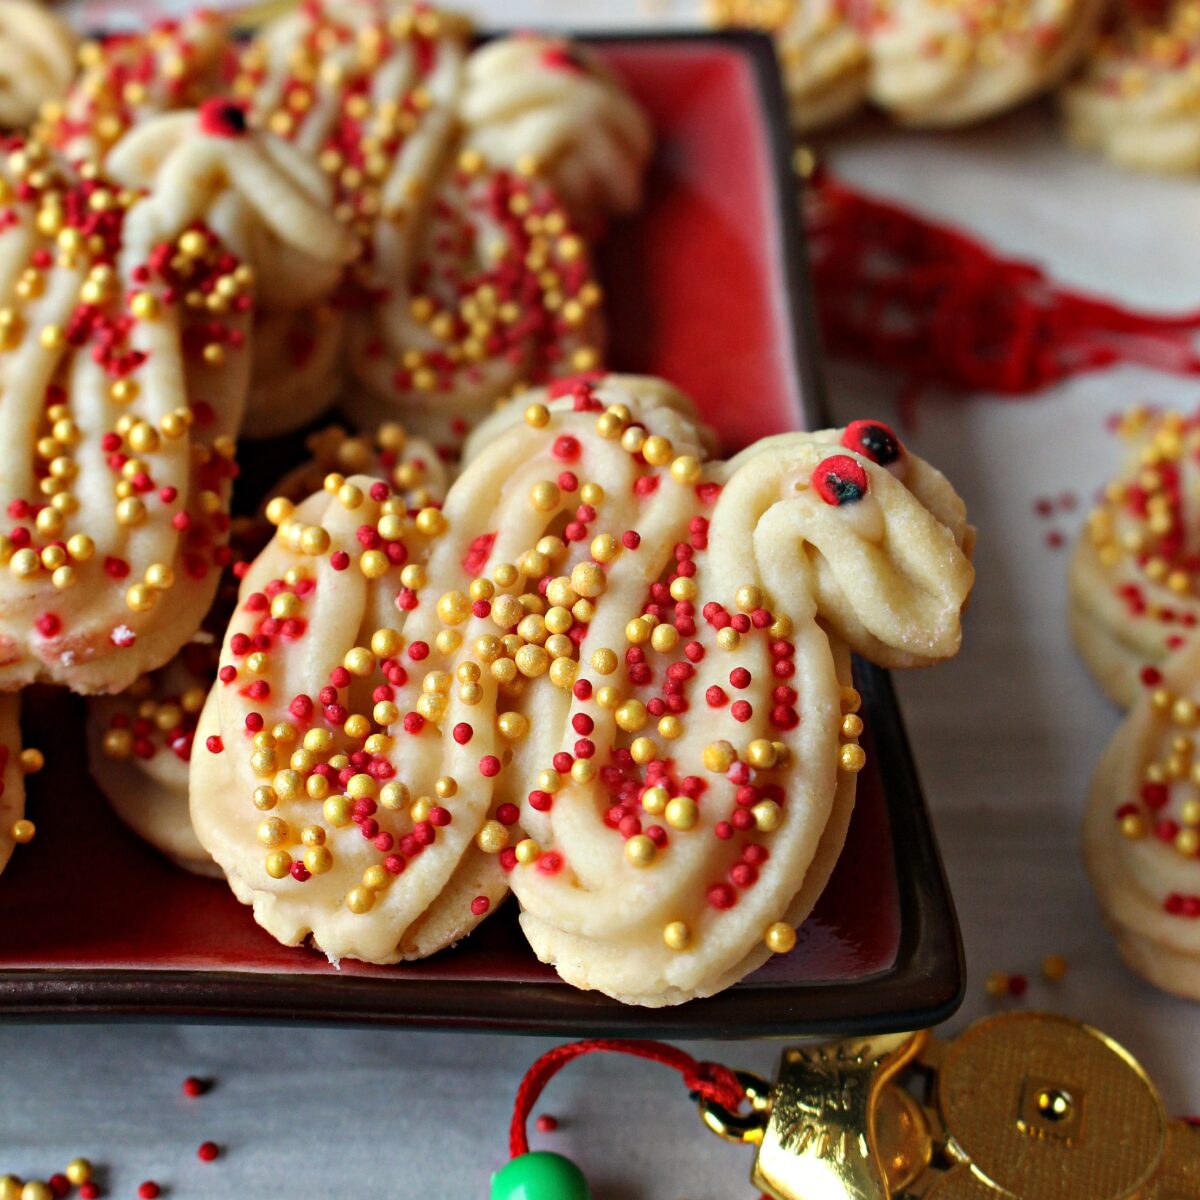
468,177
504,690
126,78
822,53
1133,574
125,309
1137,98
689,792
951,62
548,107
140,742
140,745
15,763
1141,837
37,60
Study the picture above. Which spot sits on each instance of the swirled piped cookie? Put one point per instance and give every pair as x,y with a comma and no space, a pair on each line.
468,177
609,672
1141,837
688,796
140,745
15,764
1134,572
140,742
950,62
822,53
1137,98
125,307
37,60
127,78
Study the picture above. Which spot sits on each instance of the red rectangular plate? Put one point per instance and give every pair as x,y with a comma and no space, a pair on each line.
707,287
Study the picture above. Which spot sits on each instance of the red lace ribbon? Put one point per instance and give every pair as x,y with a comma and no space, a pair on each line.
709,1080
938,306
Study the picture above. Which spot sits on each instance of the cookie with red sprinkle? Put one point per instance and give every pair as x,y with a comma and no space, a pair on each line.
1137,98
588,675
952,62
127,78
141,742
469,177
125,314
688,793
37,60
1135,569
15,763
1141,836
822,53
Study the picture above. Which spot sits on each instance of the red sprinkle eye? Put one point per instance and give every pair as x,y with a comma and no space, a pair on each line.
873,440
840,480
222,117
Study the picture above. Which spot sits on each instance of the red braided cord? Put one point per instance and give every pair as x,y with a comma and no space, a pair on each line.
938,306
710,1080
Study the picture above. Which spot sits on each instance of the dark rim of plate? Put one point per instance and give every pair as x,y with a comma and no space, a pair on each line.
923,987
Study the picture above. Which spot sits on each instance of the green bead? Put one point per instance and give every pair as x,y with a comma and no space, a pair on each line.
540,1175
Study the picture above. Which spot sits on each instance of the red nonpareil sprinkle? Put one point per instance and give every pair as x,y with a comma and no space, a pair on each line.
339,560
463,733
1018,985
195,1087
149,1190
546,1123
480,905
89,1191
59,1184
208,1151
1151,676
1055,539
48,625
489,766
214,744
631,539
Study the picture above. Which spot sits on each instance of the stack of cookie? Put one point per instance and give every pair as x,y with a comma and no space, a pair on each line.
1126,73
1134,614
604,669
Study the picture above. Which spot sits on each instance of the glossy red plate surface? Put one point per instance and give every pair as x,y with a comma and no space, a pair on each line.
705,287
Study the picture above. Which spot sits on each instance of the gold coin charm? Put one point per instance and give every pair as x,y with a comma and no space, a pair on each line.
1044,1107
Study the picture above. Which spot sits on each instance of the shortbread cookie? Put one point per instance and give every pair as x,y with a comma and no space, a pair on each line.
466,176
1141,837
548,107
951,62
690,794
822,53
140,743
408,465
125,305
37,60
526,660
1137,98
1134,572
15,764
127,78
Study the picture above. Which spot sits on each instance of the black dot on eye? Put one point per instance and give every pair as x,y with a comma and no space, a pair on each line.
873,440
